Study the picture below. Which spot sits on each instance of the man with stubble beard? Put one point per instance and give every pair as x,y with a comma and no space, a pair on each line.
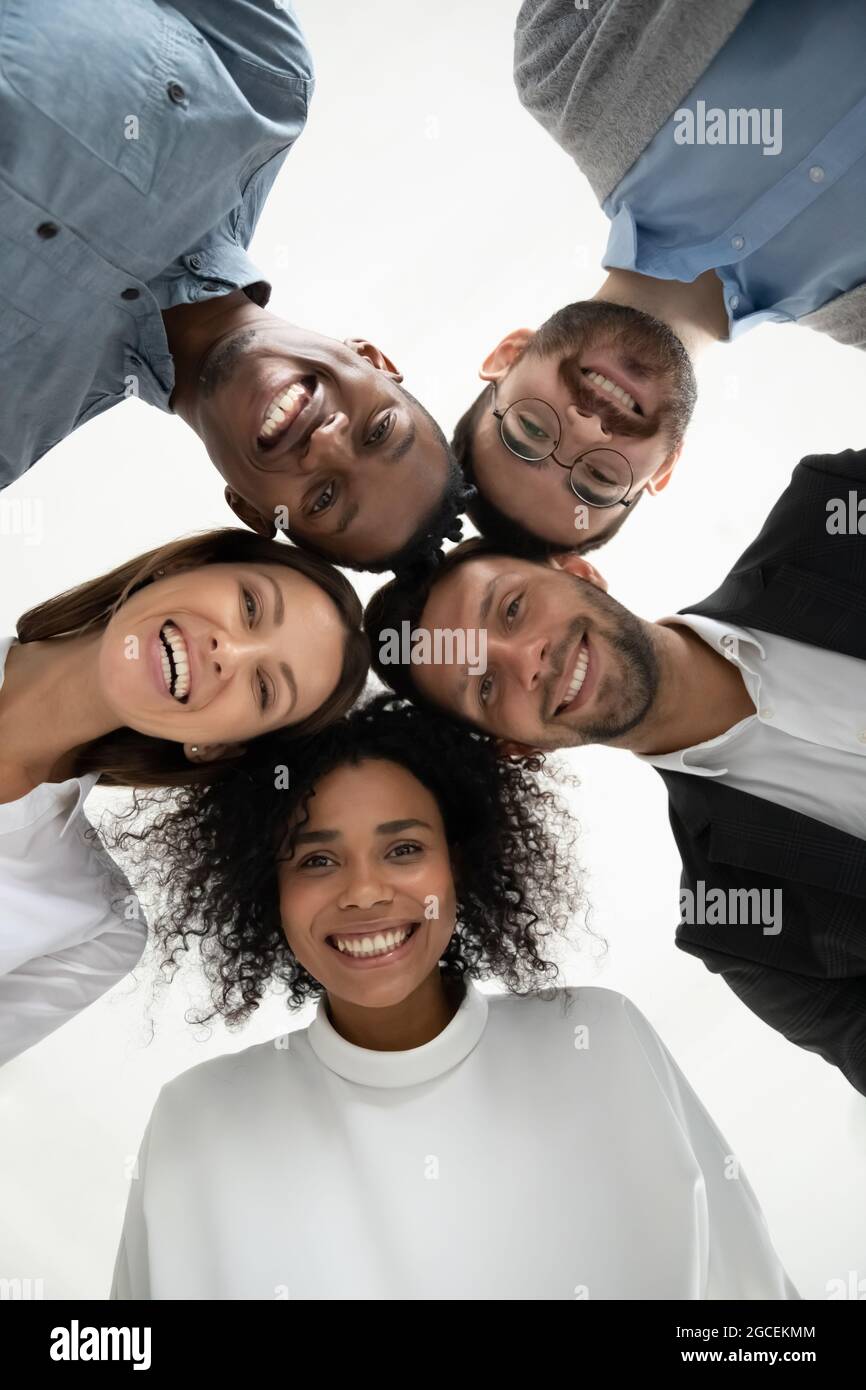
750,704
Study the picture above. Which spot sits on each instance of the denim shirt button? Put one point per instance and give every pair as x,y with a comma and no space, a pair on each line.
177,94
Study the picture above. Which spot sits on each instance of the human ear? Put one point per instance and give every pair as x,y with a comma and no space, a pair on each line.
212,752
573,563
249,515
505,354
662,476
375,356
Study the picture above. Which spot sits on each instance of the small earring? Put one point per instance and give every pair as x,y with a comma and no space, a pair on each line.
193,748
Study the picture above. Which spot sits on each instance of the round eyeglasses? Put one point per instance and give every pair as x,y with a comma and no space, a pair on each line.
532,431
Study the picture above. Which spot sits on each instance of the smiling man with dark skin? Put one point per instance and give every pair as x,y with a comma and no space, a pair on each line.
311,435
750,705
126,214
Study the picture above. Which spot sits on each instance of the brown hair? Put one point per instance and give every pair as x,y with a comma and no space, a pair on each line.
125,758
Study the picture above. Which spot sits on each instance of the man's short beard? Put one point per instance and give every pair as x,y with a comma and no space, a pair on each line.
630,637
654,349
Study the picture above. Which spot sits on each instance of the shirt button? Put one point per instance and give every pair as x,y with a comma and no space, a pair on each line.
194,262
210,286
47,230
738,242
816,173
131,293
767,712
176,93
735,301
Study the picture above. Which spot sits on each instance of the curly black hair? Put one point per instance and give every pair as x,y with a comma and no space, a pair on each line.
211,853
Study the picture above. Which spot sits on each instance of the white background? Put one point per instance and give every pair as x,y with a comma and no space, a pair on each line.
422,208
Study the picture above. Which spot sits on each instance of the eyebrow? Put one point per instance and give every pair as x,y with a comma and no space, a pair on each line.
279,606
388,827
483,612
348,517
401,450
289,678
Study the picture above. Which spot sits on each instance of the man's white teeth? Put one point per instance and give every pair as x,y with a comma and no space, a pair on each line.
175,661
578,677
283,407
610,386
371,945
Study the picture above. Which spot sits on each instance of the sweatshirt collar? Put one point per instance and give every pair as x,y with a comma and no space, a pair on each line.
367,1067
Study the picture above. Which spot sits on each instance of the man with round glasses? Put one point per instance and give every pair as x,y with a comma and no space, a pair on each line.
726,144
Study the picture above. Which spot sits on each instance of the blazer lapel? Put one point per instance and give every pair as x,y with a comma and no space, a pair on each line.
792,603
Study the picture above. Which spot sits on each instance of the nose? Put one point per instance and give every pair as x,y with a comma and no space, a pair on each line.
226,652
364,888
582,429
329,444
527,661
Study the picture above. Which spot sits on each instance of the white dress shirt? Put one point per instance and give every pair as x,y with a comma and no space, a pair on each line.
70,927
535,1149
805,745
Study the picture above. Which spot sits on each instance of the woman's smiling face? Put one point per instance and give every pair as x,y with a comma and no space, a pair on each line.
221,653
367,899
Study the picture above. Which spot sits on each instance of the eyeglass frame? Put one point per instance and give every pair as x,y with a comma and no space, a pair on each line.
625,501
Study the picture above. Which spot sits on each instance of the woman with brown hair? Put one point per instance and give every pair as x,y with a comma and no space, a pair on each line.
161,673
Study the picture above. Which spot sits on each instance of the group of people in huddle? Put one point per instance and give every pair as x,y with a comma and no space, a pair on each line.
384,854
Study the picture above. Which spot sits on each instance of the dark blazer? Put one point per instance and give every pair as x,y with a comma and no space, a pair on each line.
809,982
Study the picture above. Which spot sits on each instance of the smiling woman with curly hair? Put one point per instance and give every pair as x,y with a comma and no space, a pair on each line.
420,1138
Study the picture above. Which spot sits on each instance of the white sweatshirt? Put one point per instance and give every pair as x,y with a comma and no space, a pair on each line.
536,1149
70,925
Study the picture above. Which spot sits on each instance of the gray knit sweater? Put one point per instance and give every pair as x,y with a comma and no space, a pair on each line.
603,81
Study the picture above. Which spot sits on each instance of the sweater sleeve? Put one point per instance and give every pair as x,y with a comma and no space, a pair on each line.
45,982
41,995
131,1278
603,78
740,1261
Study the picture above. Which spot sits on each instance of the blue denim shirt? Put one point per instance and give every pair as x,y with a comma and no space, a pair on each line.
785,232
138,143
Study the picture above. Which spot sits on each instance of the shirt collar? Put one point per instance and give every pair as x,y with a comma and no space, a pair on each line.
739,646
367,1067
